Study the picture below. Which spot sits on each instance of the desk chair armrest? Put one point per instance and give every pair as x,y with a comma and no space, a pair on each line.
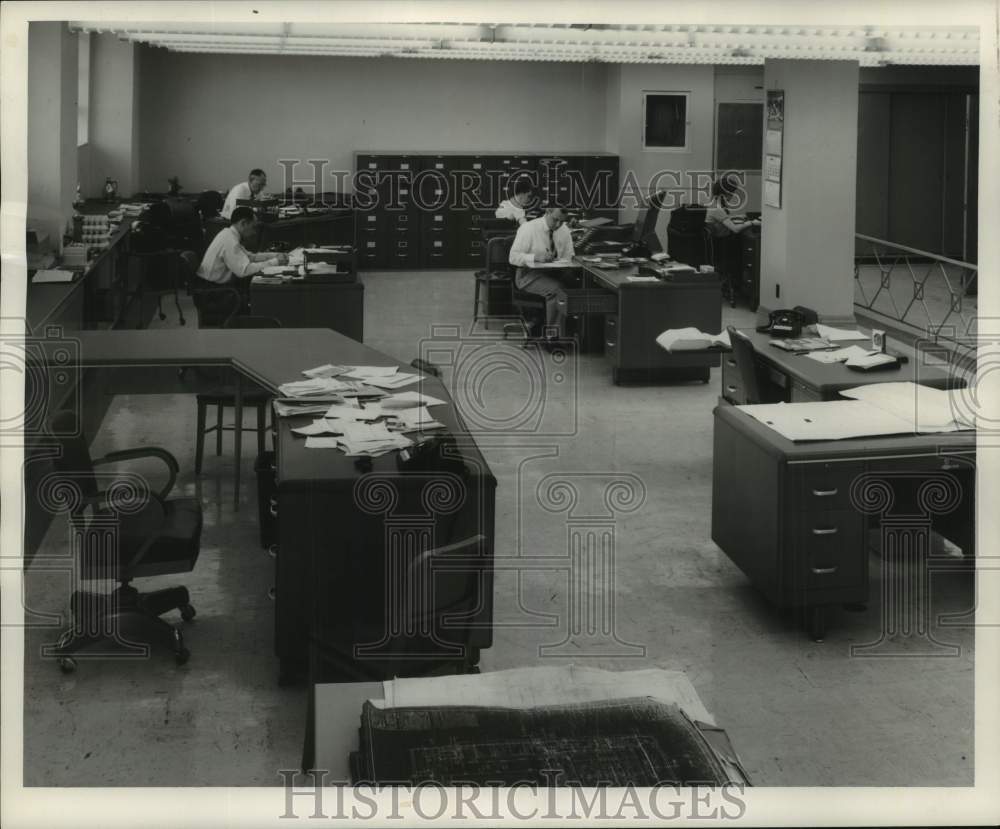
146,452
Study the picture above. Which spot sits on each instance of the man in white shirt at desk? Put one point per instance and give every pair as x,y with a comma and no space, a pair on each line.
227,259
514,208
245,190
540,241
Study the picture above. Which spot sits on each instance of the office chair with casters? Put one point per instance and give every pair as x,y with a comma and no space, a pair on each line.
224,396
423,634
496,273
746,365
215,304
122,530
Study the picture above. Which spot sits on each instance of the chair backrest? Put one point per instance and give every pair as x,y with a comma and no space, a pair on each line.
210,203
442,580
746,365
686,220
498,254
190,263
250,321
74,454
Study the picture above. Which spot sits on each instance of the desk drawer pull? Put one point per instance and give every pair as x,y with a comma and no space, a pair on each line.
823,571
610,343
731,389
731,362
828,531
823,493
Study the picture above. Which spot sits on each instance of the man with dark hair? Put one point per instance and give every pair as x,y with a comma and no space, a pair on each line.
245,190
227,259
514,208
542,240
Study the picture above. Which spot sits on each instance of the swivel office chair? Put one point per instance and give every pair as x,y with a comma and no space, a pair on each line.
122,532
746,366
224,396
494,277
687,238
422,634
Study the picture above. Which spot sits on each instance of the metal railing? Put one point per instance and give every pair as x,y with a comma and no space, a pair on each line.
924,293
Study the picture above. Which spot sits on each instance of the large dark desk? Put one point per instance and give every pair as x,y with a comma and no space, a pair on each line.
300,304
341,530
794,516
796,378
644,310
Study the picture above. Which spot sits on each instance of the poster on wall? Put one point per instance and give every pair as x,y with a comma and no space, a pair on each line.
773,140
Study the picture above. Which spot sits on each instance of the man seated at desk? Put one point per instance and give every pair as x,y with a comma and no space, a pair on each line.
515,208
227,259
539,241
245,190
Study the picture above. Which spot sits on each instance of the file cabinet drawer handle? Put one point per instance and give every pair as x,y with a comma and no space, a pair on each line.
823,571
731,362
823,493
731,389
610,343
826,531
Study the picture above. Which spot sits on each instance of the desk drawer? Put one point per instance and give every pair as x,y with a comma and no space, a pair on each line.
801,393
830,550
732,381
823,487
611,329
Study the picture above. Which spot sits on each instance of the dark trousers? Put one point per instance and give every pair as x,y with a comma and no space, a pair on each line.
551,289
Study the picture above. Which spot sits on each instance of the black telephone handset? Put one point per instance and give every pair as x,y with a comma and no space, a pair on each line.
784,322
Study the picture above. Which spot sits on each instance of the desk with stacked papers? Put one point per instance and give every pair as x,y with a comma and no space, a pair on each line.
338,520
794,515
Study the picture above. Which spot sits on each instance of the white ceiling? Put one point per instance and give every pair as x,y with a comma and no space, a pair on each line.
603,43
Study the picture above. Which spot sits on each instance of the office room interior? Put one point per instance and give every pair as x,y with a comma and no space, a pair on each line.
657,492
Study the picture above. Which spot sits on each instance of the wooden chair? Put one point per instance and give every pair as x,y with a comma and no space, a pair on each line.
224,396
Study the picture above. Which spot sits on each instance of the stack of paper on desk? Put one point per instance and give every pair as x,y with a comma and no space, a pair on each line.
313,387
416,419
327,370
877,409
288,408
53,275
691,339
408,399
838,356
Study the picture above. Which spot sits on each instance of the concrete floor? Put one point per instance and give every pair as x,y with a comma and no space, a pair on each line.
800,713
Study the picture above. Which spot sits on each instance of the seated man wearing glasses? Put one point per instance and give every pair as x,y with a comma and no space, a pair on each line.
539,241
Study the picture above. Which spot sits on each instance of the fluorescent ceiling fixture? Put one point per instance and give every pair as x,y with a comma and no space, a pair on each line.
706,44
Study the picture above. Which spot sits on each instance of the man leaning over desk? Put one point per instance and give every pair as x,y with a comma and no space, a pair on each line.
227,260
539,241
245,190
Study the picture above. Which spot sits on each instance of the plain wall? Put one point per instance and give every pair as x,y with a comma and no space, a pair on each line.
52,128
209,119
113,102
808,243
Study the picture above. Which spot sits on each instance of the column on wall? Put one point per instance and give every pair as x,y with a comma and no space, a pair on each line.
52,128
808,242
114,121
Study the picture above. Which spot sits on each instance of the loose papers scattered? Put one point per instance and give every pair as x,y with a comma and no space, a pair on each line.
359,415
691,339
828,332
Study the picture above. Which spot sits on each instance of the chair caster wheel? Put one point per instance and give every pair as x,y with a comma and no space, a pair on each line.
187,612
181,656
67,664
162,317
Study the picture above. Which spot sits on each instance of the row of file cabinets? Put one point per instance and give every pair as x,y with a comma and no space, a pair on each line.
418,211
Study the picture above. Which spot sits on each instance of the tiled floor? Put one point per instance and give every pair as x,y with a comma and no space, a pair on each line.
800,713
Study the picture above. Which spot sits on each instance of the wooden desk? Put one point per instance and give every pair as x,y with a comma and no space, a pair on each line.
643,311
300,304
785,514
796,378
334,547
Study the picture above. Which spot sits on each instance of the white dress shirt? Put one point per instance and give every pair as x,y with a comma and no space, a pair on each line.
510,209
533,238
226,257
238,192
